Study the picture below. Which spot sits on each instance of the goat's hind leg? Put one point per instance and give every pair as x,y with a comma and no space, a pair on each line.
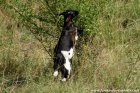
65,73
55,66
66,69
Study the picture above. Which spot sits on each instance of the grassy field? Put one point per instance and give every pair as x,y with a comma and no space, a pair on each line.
107,54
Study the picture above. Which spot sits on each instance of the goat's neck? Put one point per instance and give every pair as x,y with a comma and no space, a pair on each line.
68,25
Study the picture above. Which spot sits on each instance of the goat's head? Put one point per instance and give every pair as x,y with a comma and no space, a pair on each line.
69,15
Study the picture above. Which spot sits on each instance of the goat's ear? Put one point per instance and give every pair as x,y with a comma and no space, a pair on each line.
76,12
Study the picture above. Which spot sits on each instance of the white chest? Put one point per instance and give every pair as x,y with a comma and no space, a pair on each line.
68,54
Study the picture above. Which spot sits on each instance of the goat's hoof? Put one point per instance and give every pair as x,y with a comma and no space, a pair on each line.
64,79
55,74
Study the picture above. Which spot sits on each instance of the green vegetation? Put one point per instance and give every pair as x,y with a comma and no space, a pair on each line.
107,54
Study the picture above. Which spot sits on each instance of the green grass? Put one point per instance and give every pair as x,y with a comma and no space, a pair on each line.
107,54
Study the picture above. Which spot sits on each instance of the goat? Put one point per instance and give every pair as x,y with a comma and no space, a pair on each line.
63,51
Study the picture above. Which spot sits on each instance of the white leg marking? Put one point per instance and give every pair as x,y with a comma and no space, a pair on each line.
64,79
76,36
55,73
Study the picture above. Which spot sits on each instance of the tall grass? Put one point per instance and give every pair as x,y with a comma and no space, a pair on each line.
107,54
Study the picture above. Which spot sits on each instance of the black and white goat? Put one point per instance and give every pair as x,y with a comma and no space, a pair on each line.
63,51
